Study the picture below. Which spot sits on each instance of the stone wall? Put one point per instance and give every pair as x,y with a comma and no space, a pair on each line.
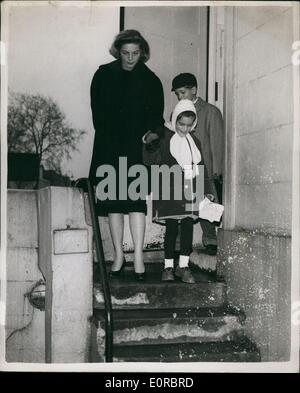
255,242
258,276
66,260
50,251
25,325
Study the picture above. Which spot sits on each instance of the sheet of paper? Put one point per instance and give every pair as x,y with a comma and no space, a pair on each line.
210,211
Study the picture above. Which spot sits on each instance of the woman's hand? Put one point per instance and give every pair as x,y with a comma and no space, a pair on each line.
151,137
151,141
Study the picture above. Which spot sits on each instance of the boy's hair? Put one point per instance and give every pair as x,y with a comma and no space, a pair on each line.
130,37
184,80
186,114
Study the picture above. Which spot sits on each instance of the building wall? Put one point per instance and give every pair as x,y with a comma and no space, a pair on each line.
177,38
264,118
255,242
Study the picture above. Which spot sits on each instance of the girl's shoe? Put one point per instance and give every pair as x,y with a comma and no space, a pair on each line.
185,275
168,274
116,273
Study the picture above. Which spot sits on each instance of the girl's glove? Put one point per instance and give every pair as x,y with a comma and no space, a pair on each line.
210,197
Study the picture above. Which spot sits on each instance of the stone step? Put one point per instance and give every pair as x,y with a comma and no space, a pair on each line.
239,350
147,327
153,293
155,266
149,255
205,262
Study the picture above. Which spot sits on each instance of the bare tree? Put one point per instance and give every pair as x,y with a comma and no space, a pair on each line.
37,125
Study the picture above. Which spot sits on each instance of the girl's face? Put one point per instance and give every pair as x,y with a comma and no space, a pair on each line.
130,55
184,125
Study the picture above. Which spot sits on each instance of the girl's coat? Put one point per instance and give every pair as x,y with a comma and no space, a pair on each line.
170,151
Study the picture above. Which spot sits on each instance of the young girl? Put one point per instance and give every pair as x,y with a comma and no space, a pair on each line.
179,149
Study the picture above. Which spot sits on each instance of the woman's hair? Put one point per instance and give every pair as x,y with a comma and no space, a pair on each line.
186,114
130,37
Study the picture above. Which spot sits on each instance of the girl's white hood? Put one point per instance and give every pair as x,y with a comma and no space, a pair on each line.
184,149
182,106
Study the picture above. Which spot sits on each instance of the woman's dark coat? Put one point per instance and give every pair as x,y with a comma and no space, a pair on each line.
125,105
158,153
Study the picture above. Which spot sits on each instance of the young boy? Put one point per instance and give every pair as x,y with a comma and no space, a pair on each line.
210,132
181,151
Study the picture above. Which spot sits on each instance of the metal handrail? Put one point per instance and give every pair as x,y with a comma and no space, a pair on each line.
103,273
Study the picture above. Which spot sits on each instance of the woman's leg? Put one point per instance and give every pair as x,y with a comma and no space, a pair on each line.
116,225
137,223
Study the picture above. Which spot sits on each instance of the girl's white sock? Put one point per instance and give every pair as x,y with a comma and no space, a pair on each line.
183,261
169,263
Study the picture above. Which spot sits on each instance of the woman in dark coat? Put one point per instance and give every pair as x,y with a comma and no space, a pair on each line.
127,101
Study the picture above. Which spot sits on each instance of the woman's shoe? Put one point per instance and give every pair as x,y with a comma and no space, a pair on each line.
140,276
116,273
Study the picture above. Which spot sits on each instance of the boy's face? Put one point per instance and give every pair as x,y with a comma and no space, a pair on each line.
186,93
184,125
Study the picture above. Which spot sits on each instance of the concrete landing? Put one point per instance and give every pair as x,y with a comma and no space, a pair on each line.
203,261
153,293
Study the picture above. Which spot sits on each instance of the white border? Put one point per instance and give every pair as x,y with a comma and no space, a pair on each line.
3,178
295,270
277,367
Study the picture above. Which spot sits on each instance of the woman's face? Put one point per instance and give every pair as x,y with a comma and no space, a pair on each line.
130,55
